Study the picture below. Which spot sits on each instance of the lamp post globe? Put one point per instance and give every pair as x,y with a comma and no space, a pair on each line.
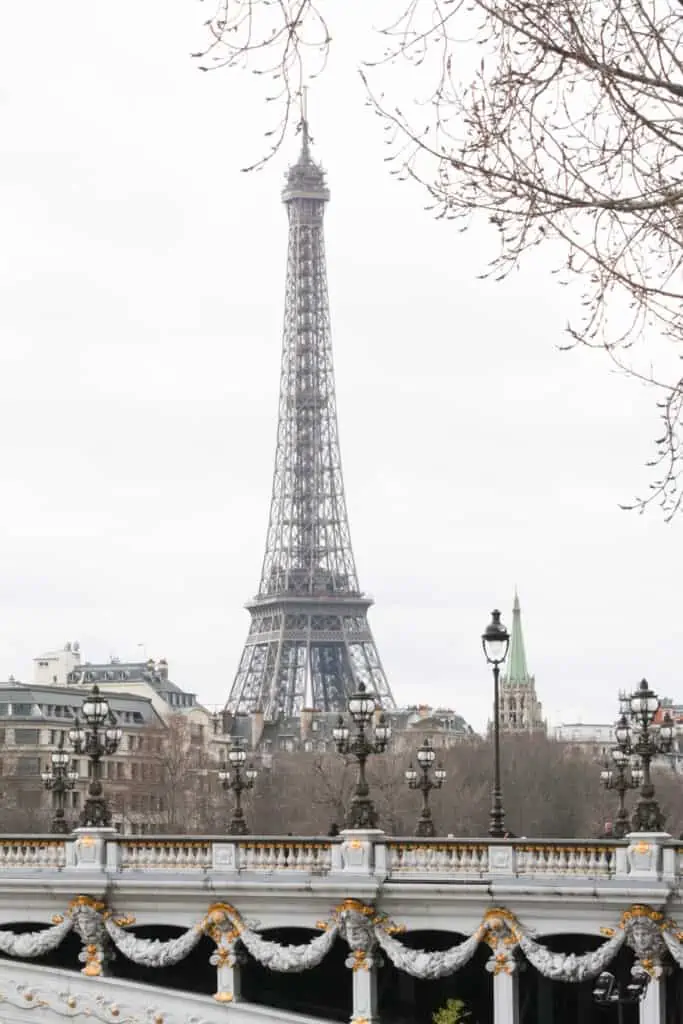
495,641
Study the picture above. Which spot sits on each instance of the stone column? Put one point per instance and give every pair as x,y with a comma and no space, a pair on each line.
223,924
652,1009
228,975
501,936
506,995
355,923
364,972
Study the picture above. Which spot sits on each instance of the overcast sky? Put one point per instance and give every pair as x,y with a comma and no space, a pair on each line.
140,315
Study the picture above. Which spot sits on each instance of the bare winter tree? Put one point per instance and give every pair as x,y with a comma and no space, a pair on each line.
559,122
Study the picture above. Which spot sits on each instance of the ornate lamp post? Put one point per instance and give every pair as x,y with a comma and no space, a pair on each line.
423,782
626,774
238,780
96,740
60,780
637,734
495,641
362,812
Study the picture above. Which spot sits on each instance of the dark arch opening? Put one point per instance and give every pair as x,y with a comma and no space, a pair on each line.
407,1000
193,974
555,1002
324,991
65,956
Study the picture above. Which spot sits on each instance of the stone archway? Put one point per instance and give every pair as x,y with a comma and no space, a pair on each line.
324,991
64,956
407,1000
193,973
542,1001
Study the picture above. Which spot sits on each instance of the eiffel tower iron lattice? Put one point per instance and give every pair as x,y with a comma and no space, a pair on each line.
309,644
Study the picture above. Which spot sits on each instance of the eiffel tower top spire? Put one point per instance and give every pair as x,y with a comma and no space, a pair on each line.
305,179
310,641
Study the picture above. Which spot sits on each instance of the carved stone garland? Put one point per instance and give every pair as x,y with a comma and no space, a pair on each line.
643,929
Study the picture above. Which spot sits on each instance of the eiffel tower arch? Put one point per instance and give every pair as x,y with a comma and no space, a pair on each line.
309,644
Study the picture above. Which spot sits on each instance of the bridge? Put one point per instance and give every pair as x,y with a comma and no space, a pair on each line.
362,927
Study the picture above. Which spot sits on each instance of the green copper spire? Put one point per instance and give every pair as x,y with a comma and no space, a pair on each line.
517,671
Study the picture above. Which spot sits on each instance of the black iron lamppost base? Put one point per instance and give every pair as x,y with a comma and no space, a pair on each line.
96,813
362,813
60,825
425,828
238,827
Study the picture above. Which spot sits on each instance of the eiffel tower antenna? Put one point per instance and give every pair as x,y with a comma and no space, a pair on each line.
309,638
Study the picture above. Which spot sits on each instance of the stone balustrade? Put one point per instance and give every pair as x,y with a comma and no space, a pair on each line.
387,857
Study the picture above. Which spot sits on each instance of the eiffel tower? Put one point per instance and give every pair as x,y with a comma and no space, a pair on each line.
309,645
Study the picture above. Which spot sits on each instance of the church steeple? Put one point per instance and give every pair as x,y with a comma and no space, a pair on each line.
520,708
517,671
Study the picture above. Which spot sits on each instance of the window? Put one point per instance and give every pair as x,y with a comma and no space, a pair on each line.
133,770
26,737
119,770
21,710
28,766
4,709
75,799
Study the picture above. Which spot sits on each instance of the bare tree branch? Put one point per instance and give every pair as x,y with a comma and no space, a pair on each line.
558,122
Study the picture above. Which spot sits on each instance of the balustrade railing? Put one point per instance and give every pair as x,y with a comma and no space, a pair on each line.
437,856
164,854
32,852
386,857
576,859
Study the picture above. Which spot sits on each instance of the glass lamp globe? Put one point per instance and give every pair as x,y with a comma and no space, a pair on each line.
72,777
340,731
237,756
362,705
425,753
410,774
667,729
619,756
113,734
382,730
46,776
622,732
495,640
95,708
59,758
77,735
224,774
644,703
606,775
440,773
251,773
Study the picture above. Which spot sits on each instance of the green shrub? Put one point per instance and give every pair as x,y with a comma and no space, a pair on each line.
454,1012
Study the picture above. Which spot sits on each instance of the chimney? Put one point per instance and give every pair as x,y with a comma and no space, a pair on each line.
257,718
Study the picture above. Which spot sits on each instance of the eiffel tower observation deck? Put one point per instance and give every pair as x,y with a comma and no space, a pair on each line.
309,645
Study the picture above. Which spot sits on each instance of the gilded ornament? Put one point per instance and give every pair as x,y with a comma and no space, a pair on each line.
223,997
